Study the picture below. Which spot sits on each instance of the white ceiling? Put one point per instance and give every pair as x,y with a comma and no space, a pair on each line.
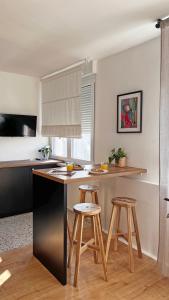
40,36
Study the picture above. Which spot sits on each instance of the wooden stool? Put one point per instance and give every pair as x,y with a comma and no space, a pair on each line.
92,189
83,190
129,204
83,210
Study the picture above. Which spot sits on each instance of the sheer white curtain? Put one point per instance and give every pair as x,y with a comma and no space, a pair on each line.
163,257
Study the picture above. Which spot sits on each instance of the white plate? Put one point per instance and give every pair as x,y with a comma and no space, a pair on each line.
62,173
102,172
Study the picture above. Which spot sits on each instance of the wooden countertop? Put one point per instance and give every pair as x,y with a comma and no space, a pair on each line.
84,175
24,163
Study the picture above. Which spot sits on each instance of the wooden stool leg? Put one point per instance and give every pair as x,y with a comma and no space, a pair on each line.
72,240
117,223
95,200
137,232
129,225
112,220
95,239
95,197
78,249
101,245
68,230
82,196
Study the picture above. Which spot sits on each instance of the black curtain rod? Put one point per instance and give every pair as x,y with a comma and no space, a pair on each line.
158,24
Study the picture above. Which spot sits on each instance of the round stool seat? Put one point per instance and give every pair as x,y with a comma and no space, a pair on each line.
124,201
87,209
88,188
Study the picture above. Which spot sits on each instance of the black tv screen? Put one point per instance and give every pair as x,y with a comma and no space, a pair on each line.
17,125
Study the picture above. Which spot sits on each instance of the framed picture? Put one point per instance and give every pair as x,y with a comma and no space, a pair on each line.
129,112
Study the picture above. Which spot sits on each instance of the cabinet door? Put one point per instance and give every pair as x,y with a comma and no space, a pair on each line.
15,191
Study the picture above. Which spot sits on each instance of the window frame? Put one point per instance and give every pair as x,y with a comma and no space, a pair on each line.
68,157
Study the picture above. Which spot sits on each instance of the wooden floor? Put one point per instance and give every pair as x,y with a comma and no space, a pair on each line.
23,277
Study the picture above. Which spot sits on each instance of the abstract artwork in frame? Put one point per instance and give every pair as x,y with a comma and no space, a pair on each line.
129,112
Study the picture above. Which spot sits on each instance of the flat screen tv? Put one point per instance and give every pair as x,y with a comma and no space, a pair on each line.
17,125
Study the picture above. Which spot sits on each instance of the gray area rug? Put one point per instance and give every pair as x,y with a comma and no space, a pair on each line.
15,231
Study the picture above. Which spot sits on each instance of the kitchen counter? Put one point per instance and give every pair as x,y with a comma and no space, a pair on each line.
24,163
84,175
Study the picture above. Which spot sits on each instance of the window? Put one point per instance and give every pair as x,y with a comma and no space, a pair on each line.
59,146
79,149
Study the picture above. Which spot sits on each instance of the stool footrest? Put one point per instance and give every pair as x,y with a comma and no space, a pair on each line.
87,245
119,234
94,247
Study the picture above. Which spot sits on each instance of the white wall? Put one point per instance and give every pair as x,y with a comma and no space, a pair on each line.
137,68
20,95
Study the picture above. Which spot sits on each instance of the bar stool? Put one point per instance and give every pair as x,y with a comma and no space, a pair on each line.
92,189
129,204
81,211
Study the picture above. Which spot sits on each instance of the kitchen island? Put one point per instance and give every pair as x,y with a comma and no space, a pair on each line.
50,213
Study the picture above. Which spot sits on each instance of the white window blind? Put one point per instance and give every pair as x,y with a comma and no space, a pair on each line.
82,148
87,108
61,104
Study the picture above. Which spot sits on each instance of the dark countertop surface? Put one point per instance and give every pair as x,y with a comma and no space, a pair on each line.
24,163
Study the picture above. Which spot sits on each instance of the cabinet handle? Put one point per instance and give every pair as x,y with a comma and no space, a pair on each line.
166,199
